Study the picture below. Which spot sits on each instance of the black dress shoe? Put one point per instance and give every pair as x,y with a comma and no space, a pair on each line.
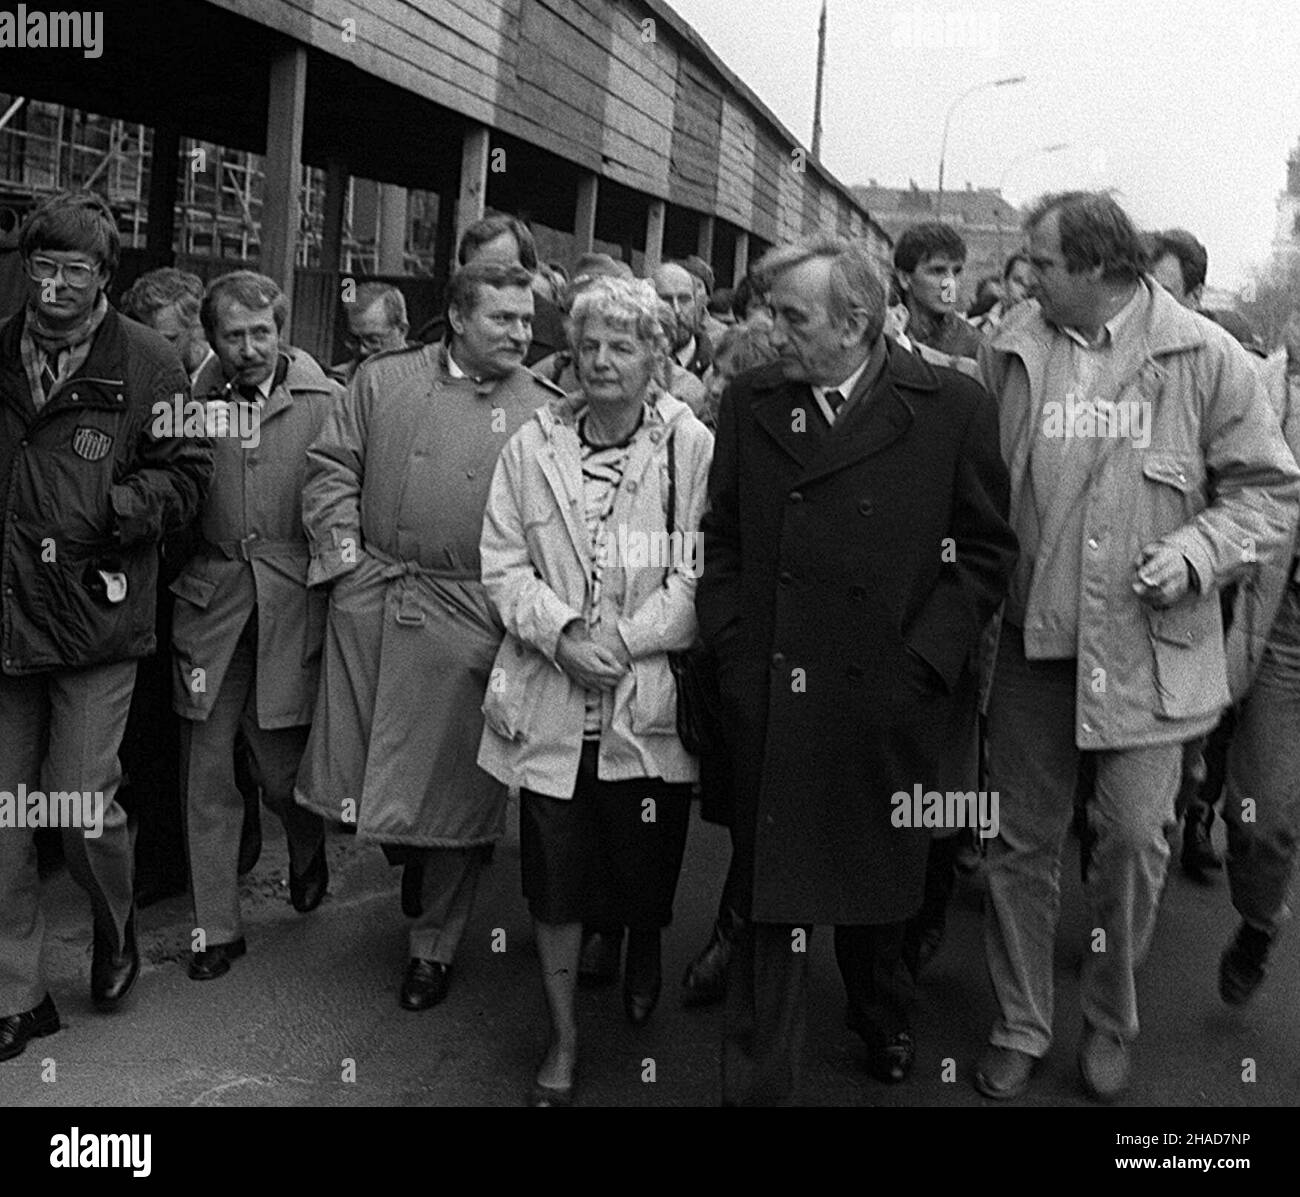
890,1058
112,974
705,982
599,959
214,962
1242,968
412,887
425,984
17,1029
308,891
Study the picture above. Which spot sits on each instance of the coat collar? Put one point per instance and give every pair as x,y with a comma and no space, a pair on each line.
302,377
1164,324
880,414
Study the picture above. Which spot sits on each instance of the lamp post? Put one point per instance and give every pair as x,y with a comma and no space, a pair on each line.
1054,148
943,148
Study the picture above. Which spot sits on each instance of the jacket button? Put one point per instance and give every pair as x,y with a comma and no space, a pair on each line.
786,578
866,506
778,659
1088,728
796,496
1092,542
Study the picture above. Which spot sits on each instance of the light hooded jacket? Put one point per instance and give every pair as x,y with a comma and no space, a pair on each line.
393,504
537,566
253,555
1216,481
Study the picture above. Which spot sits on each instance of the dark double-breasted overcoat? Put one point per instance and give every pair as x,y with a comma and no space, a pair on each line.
847,574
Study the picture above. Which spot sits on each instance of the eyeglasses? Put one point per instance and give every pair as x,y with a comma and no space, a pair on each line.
76,274
373,342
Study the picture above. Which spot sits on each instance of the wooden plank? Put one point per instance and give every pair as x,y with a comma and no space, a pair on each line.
284,122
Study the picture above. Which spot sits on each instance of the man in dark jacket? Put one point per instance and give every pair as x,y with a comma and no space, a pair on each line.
856,543
89,487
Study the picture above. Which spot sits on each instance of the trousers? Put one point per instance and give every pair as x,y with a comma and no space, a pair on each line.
1033,764
61,731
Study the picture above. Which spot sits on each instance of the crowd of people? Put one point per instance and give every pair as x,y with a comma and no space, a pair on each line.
613,544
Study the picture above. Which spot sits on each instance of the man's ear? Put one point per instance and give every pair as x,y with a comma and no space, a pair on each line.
855,326
904,282
456,320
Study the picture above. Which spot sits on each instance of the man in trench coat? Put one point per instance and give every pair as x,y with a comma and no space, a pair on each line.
396,488
247,632
855,544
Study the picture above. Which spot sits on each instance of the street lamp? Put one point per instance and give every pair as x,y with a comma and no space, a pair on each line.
1054,148
943,148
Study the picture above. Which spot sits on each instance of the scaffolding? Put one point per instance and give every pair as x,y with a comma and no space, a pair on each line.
46,148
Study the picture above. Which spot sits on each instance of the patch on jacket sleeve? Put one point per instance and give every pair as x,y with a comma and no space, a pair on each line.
91,443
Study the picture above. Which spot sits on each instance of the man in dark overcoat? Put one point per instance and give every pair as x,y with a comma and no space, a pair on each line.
856,542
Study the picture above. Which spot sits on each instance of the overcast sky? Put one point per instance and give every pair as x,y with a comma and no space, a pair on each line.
1187,107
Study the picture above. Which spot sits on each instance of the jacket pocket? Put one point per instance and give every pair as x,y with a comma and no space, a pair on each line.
653,708
194,589
1190,662
505,705
1174,498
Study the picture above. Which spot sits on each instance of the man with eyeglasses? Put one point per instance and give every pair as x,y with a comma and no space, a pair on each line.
376,324
88,487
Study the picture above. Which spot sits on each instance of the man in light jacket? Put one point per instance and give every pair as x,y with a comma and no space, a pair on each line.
246,630
1147,471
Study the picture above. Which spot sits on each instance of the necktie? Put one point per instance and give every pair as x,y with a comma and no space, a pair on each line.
249,392
835,401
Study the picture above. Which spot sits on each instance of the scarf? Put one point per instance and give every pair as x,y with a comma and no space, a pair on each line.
41,342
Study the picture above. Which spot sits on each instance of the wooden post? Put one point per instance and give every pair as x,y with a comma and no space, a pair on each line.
704,247
584,227
473,178
162,196
656,214
336,194
392,229
284,122
741,266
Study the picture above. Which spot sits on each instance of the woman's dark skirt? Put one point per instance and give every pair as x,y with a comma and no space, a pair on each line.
598,857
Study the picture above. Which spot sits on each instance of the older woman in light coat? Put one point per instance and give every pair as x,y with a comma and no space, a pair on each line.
581,709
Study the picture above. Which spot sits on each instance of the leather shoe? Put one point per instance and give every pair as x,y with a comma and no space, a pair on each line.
17,1029
214,962
598,961
1003,1072
1241,970
1103,1064
112,974
425,984
412,887
890,1058
308,891
705,982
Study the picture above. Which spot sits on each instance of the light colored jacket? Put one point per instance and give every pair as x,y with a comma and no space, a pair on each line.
537,566
254,555
1216,481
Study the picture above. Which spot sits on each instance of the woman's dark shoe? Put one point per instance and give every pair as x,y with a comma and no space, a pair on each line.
112,974
890,1058
214,961
307,891
425,984
599,959
705,982
643,976
17,1029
